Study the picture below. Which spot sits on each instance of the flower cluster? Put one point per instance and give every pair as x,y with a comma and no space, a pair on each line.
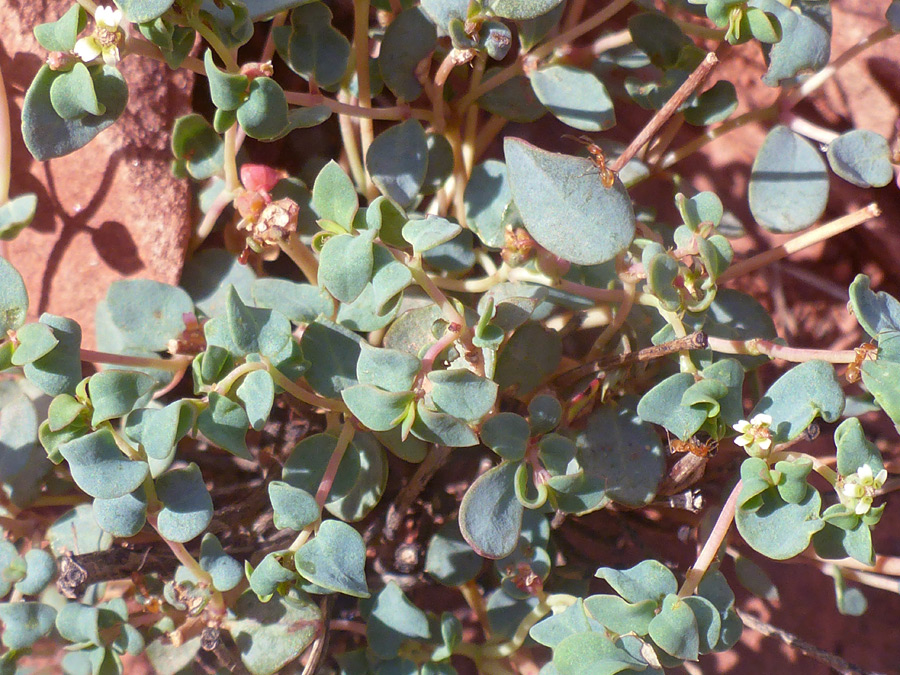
108,36
857,490
755,435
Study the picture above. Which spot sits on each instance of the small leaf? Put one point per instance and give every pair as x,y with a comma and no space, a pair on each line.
394,620
116,392
777,529
226,572
530,355
333,352
292,507
436,427
648,580
123,516
99,467
428,232
16,215
40,570
257,393
208,275
25,623
621,616
35,340
876,312
300,303
346,263
590,652
576,97
162,429
335,559
659,37
377,409
408,39
255,330
565,207
271,574
557,627
788,183
486,198
148,313
228,91
862,158
388,369
674,629
334,197
13,298
61,35
854,450
754,579
506,434
141,11
59,371
72,94
513,100
449,559
187,507
462,393
225,424
520,9
196,143
79,623
264,115
490,516
805,44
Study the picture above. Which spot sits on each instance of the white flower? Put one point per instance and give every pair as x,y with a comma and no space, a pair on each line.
755,435
857,491
108,35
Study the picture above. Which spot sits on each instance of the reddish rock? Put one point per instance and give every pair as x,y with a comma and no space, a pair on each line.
110,210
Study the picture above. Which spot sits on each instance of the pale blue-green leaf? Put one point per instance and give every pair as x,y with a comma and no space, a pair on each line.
531,354
436,427
714,105
409,38
257,393
270,635
428,232
362,316
271,572
226,572
334,197
79,623
35,340
462,393
187,507
557,627
209,274
61,35
754,578
76,530
709,622
388,369
513,100
264,115
228,91
854,450
300,303
788,183
455,256
397,161
124,516
162,429
394,620
861,157
313,48
777,529
412,332
16,215
486,198
13,297
99,467
440,163
590,653
449,559
411,450
47,135
230,20
877,312
659,37
335,559
255,330
148,313
72,94
565,206
575,97
532,31
506,434
141,11
40,570
490,516
648,580
882,379
675,630
520,9
377,409
807,391
169,659
225,424
345,265
621,616
25,623
333,352
805,44
292,507
115,393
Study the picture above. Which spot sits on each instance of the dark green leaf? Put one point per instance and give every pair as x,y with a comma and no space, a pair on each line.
409,38
449,558
225,424
61,35
514,99
490,516
196,143
531,354
332,352
394,620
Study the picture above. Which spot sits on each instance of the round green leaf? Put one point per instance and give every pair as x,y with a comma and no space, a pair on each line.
506,434
333,196
226,572
292,507
76,530
40,569
861,157
648,580
520,9
462,393
397,161
116,392
854,450
271,573
13,297
575,97
59,371
590,653
557,627
187,507
565,206
141,11
788,183
300,303
345,265
47,135
124,516
805,44
16,215
99,467
257,393
408,39
72,94
208,276
486,198
876,312
436,427
490,516
514,99
25,622
449,558
394,620
659,37
429,232
531,354
197,144
714,105
388,369
332,352
264,115
674,629
621,616
335,559
777,529
35,340
440,163
225,424
377,409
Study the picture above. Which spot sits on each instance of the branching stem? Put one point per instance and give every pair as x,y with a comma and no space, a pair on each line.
760,347
172,365
343,442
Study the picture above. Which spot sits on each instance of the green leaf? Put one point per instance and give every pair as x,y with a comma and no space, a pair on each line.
462,393
788,183
333,353
754,579
115,393
377,409
61,35
292,507
148,313
674,629
449,559
123,516
25,623
486,198
187,507
162,429
257,393
270,635
40,570
333,196
530,355
428,232
255,330
335,559
557,627
225,424
659,37
16,215
877,313
13,298
99,467
805,44
345,265
777,529
271,573
47,135
709,622
520,9
76,530
565,206
141,11
411,450
544,414
196,143
621,616
854,450
590,653
575,97
648,580
230,19
436,427
861,157
79,623
513,100
408,39
35,340
388,369
394,620
72,94
264,115
208,275
312,47
807,391
397,161
714,105
506,434
226,572
227,90
300,303
490,516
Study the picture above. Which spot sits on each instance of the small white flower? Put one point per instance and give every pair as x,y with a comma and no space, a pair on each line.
761,419
755,435
857,491
108,35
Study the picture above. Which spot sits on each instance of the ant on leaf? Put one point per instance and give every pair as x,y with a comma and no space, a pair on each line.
598,159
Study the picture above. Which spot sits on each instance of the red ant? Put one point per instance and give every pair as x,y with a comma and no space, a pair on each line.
598,159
